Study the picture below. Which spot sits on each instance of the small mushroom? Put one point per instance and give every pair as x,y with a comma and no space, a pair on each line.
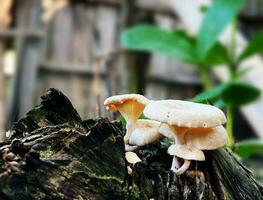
130,106
132,157
186,153
145,132
190,124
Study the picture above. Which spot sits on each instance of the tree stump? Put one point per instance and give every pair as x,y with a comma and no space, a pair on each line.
53,154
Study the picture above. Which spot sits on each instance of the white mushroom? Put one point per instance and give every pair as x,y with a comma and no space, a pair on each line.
166,131
189,124
145,132
130,106
185,114
132,157
186,153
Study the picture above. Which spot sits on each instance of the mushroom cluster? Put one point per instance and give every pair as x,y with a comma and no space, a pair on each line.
193,127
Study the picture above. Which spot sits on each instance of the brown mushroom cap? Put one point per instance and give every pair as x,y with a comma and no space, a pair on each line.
145,132
184,113
186,152
206,139
129,105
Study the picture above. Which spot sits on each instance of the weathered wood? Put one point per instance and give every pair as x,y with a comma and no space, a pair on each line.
53,154
27,35
2,95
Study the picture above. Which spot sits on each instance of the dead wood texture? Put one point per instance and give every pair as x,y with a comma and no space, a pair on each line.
53,154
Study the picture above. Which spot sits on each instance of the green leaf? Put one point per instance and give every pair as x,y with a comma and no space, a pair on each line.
220,103
239,93
203,8
254,47
157,40
210,96
218,16
217,55
249,148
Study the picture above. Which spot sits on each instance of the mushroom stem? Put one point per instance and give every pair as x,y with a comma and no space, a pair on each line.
183,168
130,147
179,135
175,164
129,128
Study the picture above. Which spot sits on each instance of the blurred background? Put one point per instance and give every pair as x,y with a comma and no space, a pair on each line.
74,46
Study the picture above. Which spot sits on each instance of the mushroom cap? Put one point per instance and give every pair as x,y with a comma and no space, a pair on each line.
129,105
145,132
186,152
132,157
206,139
166,131
185,113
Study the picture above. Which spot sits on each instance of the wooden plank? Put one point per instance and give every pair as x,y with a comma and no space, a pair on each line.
2,96
77,39
13,32
148,5
27,59
29,64
69,68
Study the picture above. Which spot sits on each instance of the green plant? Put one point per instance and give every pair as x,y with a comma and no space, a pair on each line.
248,148
204,51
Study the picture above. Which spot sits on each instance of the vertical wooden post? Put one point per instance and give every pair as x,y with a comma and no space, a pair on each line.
2,96
135,62
128,12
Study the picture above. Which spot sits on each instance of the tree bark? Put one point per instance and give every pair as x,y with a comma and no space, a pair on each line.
53,154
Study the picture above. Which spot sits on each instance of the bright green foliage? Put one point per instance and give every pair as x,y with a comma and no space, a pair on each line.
157,40
172,43
210,96
254,47
239,93
217,17
249,148
217,55
203,50
233,93
220,103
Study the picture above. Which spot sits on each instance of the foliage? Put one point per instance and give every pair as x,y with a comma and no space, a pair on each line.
157,40
249,148
254,47
215,21
234,93
171,43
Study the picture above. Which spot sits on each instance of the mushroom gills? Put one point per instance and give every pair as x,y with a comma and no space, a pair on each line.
131,147
145,132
